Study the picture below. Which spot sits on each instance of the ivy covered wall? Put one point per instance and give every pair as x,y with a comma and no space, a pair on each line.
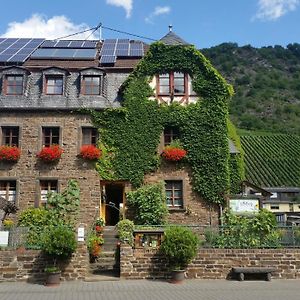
130,135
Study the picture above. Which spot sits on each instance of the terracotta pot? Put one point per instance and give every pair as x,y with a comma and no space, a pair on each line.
177,276
53,279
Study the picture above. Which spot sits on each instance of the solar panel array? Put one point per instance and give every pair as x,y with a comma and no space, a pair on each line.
75,44
64,53
113,48
17,50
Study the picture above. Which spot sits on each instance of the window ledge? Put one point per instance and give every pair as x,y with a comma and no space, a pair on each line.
176,209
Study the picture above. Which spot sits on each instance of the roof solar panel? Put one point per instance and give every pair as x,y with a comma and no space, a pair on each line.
107,59
63,44
17,50
48,44
89,44
67,53
123,40
110,41
76,44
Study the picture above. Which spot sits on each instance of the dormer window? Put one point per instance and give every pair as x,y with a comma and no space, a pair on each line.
14,85
91,85
173,83
54,85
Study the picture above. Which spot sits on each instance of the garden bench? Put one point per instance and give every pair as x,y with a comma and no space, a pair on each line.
241,271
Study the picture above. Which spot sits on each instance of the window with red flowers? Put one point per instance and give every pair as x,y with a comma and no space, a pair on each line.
10,136
47,186
8,190
51,136
174,193
91,85
14,85
89,136
171,134
173,83
54,85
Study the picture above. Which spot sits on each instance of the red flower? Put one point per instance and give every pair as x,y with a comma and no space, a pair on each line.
9,153
90,152
173,154
50,153
98,228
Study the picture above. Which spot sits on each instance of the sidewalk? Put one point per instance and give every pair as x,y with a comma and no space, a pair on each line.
155,290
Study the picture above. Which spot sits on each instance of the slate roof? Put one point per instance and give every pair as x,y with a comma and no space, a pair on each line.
172,38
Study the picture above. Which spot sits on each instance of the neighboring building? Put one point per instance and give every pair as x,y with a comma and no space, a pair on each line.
44,85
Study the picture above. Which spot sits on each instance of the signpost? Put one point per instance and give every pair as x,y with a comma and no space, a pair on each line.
244,206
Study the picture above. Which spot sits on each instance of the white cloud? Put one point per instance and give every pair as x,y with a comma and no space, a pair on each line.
39,26
158,10
271,10
126,4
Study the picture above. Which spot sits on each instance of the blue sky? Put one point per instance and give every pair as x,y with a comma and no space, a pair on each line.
204,23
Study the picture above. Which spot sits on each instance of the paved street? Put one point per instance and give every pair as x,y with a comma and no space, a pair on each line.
146,289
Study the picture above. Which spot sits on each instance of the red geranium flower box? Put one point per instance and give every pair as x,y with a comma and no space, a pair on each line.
9,153
90,152
173,154
51,153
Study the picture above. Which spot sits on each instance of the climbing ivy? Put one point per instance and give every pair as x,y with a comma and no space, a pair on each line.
130,134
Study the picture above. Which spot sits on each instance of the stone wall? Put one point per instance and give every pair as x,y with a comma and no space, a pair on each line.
210,263
29,265
195,211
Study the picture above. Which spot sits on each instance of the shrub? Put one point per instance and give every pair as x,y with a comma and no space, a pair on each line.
248,232
180,246
125,231
149,203
36,219
8,223
50,154
9,153
58,241
90,152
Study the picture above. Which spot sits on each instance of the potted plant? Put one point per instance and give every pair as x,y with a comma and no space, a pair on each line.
90,152
174,152
58,242
99,225
51,153
9,153
180,246
94,245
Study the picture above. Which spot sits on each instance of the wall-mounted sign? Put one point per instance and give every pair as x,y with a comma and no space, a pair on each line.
80,234
4,238
241,206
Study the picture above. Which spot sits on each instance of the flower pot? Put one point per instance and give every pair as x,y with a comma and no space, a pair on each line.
53,279
177,276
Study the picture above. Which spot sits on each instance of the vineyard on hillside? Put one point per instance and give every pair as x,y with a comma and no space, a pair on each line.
272,160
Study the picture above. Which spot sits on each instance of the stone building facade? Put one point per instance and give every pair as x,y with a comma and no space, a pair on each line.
40,104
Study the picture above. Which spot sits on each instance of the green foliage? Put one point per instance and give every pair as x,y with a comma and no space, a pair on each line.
125,231
58,241
36,219
130,135
61,210
258,231
63,206
265,78
180,246
272,159
149,204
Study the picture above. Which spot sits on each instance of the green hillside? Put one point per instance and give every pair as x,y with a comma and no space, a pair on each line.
266,83
272,160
